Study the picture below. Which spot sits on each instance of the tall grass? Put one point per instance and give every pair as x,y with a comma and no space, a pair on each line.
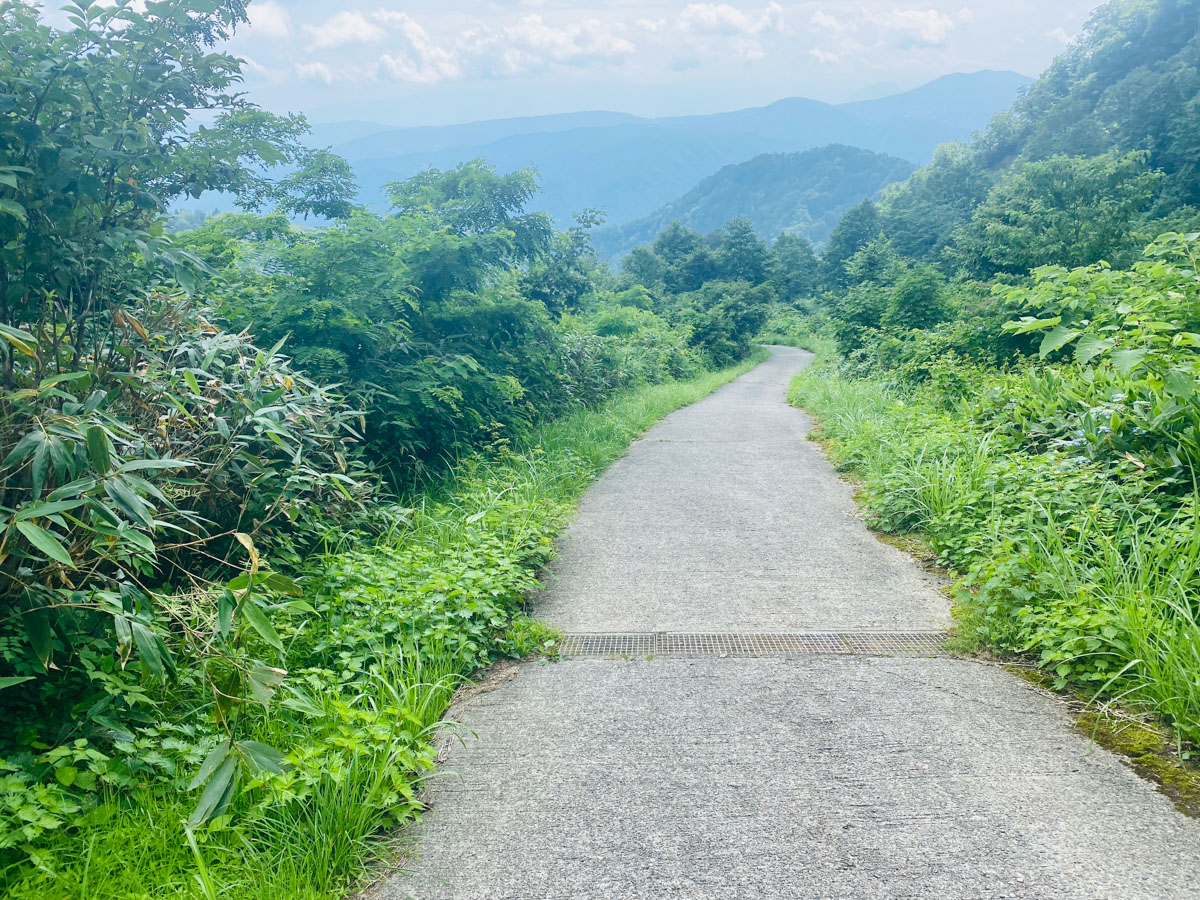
1094,579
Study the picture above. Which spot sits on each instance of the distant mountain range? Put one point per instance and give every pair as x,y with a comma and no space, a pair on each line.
805,193
630,166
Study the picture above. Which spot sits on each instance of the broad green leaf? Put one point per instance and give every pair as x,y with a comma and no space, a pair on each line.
263,682
1181,383
226,604
192,383
1128,360
215,757
128,501
24,341
25,447
1089,347
53,507
13,680
1057,337
46,542
41,465
153,649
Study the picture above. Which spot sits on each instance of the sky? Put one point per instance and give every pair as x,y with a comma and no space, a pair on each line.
431,62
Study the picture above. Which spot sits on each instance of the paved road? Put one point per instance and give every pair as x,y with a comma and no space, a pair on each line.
789,777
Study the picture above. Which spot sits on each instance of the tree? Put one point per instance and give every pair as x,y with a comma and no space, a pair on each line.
853,231
740,255
793,266
1067,210
94,144
916,300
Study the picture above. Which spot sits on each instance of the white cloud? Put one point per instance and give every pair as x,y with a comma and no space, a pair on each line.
533,43
928,26
827,22
824,57
721,18
315,71
342,29
270,20
419,60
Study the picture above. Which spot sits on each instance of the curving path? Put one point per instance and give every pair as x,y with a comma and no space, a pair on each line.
783,776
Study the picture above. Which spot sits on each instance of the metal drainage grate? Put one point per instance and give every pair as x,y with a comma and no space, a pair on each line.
695,644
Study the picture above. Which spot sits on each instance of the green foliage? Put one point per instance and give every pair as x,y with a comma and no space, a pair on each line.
852,233
1070,211
1061,489
917,301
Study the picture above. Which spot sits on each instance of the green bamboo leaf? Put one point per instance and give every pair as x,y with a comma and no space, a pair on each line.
46,542
13,680
192,382
41,465
215,757
259,622
25,447
128,501
153,649
99,450
50,508
217,794
262,757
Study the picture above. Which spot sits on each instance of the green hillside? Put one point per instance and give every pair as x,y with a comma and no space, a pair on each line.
804,193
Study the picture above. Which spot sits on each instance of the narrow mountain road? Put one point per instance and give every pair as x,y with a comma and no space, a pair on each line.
710,760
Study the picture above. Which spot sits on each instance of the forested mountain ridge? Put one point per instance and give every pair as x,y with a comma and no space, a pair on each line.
1129,85
628,166
804,193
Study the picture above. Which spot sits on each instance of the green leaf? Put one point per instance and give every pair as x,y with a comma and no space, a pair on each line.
217,794
13,680
1057,337
24,341
259,622
1181,383
1128,360
1089,347
14,209
41,465
263,682
129,502
25,447
46,542
226,604
99,451
53,507
215,757
192,382
262,757
153,649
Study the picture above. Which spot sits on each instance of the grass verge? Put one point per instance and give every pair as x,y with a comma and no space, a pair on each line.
395,624
1090,579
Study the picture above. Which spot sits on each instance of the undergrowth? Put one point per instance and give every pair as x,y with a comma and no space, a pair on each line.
1090,569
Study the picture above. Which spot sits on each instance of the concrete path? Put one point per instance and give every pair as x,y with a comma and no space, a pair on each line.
811,776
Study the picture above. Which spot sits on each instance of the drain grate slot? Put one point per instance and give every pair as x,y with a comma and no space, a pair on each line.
724,644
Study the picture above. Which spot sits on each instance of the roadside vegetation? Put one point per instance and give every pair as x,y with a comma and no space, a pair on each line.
1010,361
272,483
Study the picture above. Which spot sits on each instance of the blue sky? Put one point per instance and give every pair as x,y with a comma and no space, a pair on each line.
426,62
